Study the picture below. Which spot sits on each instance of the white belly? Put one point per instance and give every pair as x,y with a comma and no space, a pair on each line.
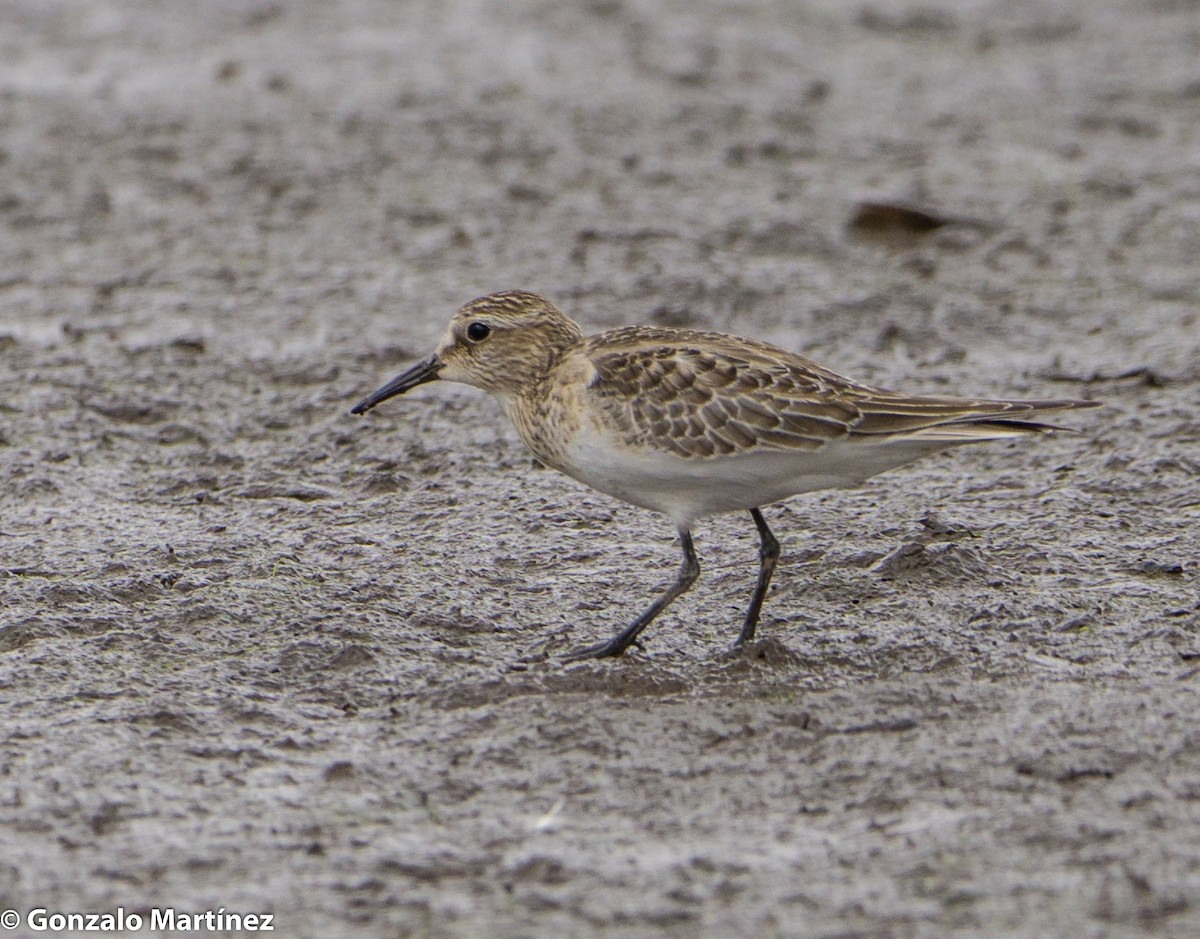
689,489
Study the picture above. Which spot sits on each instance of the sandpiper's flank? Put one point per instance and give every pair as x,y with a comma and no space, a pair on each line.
692,424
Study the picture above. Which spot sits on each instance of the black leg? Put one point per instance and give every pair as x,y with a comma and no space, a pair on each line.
627,636
768,556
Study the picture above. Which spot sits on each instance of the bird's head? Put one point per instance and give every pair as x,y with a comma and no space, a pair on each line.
502,343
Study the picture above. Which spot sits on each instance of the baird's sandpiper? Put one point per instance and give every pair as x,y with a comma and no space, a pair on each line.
692,424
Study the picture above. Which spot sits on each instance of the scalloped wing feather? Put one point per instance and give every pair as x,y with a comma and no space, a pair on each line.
703,395
697,399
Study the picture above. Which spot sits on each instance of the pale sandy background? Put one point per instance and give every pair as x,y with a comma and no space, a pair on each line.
260,655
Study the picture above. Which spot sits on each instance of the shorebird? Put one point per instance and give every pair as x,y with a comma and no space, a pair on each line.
691,424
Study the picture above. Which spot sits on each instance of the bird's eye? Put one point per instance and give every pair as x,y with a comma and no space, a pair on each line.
477,332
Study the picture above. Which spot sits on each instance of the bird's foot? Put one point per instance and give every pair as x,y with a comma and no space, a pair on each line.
769,650
611,648
742,641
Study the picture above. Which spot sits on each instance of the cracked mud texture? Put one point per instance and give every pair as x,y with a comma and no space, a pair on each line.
261,655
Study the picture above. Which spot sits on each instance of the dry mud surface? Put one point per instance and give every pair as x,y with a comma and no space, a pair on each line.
259,655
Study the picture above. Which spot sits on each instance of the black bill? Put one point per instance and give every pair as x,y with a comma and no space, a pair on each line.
423,371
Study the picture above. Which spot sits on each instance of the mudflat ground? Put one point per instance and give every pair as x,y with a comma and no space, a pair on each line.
259,655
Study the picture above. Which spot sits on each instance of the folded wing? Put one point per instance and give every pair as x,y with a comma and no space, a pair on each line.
702,395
